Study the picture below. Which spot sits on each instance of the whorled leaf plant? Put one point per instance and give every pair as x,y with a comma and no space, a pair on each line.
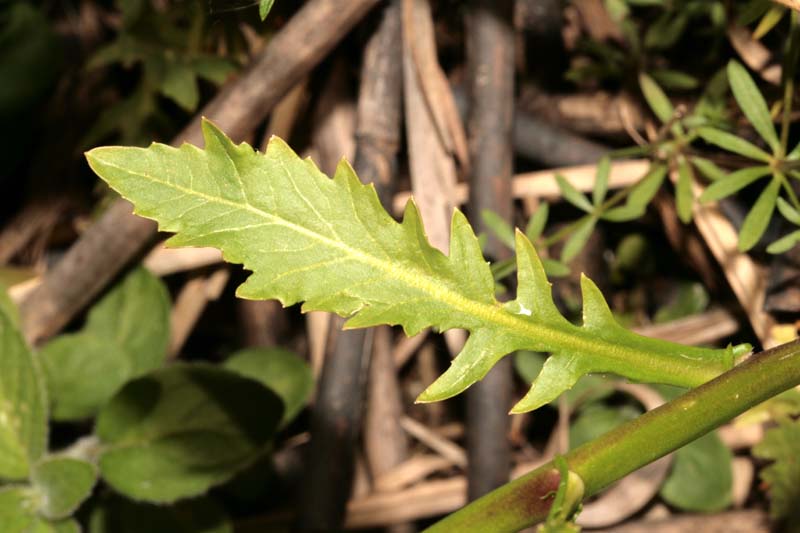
329,243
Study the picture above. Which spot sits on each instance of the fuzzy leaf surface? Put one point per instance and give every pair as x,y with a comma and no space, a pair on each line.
180,430
782,478
329,243
126,334
23,404
63,483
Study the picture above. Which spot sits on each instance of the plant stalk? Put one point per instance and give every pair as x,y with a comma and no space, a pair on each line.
601,462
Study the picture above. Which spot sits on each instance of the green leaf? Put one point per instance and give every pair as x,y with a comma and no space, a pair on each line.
782,477
768,21
684,198
23,404
281,371
66,526
555,269
578,239
62,483
573,195
8,307
701,478
708,168
597,419
537,222
201,515
732,143
18,511
180,85
674,79
126,334
785,243
331,244
656,98
752,104
691,299
601,181
666,30
501,229
733,182
788,211
756,221
640,196
182,429
264,8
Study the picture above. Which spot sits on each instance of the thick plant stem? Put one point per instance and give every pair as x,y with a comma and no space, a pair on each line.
526,500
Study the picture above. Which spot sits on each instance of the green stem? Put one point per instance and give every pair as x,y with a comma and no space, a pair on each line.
527,500
789,190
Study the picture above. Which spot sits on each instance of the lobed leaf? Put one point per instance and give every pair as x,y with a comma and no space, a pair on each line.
330,244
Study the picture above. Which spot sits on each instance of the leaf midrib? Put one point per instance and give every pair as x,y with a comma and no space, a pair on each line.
577,340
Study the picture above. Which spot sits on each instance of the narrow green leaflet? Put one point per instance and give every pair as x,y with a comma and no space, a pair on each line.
752,103
702,477
656,98
733,182
788,211
756,221
23,404
331,244
708,168
640,196
684,198
785,243
601,181
200,515
573,195
280,370
732,143
264,8
782,477
126,334
502,229
180,430
536,224
578,239
62,484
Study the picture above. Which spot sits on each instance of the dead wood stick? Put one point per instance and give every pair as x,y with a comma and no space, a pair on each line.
336,419
117,237
385,443
490,59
